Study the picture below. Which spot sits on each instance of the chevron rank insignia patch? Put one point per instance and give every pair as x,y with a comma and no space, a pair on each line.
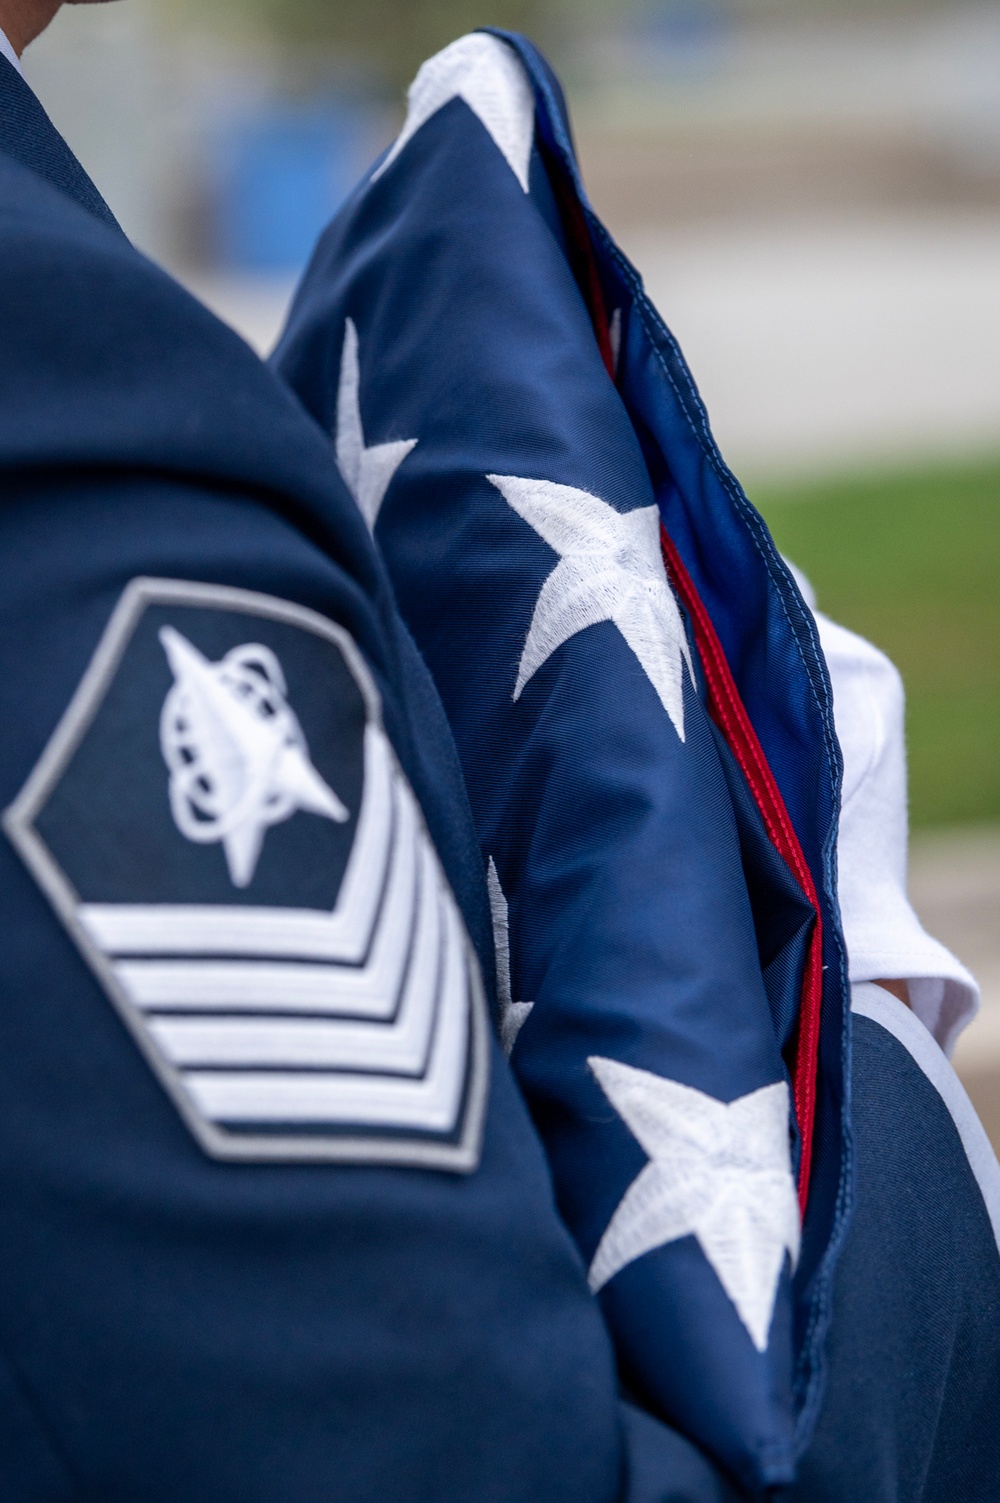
222,825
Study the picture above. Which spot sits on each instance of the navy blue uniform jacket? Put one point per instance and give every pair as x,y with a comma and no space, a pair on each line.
201,1298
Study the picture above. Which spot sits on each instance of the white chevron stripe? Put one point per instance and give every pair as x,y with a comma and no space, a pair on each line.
357,1035
388,969
341,1044
203,929
371,991
430,1104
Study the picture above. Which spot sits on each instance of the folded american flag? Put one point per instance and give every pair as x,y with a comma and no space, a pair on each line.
644,721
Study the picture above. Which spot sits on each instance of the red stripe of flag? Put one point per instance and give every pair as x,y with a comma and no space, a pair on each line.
726,708
729,713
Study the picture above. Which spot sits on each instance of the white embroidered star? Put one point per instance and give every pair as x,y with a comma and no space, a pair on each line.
367,472
722,1172
610,569
488,75
513,1015
237,757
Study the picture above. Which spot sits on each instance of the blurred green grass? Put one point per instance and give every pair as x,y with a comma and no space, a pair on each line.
911,560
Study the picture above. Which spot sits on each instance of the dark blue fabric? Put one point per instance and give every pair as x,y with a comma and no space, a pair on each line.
772,647
28,135
172,1327
31,1467
912,1406
665,1468
650,920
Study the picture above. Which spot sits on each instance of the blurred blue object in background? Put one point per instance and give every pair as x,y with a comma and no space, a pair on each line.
680,36
282,172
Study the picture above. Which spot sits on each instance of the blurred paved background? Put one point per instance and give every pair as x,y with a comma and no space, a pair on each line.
811,189
955,887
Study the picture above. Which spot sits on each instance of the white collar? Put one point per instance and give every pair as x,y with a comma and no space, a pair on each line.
8,52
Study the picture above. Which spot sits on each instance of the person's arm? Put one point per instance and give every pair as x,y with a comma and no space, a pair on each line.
898,989
269,1227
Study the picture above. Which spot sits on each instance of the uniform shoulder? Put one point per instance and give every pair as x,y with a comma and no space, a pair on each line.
110,362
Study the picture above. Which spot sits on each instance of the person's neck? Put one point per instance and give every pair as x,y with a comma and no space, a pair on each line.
21,21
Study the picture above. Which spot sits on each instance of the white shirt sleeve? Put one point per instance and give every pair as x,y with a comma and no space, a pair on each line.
884,936
885,939
7,51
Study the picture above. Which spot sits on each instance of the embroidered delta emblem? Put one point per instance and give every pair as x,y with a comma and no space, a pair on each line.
222,825
237,757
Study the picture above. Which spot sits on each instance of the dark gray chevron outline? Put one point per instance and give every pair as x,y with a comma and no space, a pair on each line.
352,1126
